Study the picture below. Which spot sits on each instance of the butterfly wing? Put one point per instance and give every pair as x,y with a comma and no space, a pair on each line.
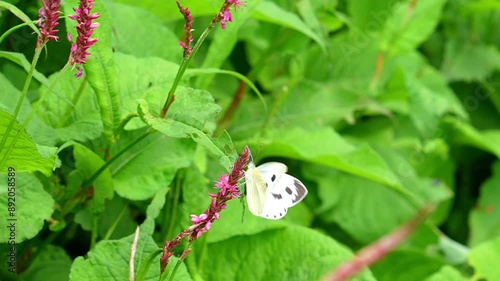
283,192
256,189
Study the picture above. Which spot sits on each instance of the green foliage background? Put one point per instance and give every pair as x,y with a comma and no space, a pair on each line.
379,107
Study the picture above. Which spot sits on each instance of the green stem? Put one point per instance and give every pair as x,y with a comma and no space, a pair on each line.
142,272
115,223
33,111
22,97
76,98
93,238
175,201
89,181
179,261
182,68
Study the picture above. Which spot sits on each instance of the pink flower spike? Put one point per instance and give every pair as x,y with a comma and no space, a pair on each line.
85,28
228,185
49,14
199,219
188,29
224,14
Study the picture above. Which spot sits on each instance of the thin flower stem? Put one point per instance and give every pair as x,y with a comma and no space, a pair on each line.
143,270
182,68
33,111
170,219
14,28
180,260
21,98
89,181
76,98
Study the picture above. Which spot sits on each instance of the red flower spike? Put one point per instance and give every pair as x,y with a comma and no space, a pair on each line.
228,185
49,14
84,27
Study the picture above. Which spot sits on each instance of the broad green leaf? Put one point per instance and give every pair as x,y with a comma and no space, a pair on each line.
370,16
430,98
365,209
21,60
52,261
179,129
290,253
482,257
88,163
169,11
484,219
80,121
149,165
269,11
25,155
153,84
109,260
31,204
100,69
406,265
138,32
224,41
331,104
326,147
246,222
463,133
409,26
40,131
470,61
447,273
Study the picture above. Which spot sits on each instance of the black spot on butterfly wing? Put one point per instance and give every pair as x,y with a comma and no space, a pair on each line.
301,190
277,196
273,178
288,190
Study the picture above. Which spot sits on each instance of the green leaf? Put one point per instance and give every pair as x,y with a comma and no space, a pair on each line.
26,155
484,218
291,253
430,98
178,129
483,256
408,27
470,61
21,60
168,10
37,129
150,164
21,15
224,41
406,265
344,201
270,12
153,84
464,133
80,121
447,273
32,204
100,69
88,163
326,147
140,33
111,257
52,261
370,16
247,223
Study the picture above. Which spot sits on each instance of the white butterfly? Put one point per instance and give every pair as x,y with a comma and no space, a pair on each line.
270,191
